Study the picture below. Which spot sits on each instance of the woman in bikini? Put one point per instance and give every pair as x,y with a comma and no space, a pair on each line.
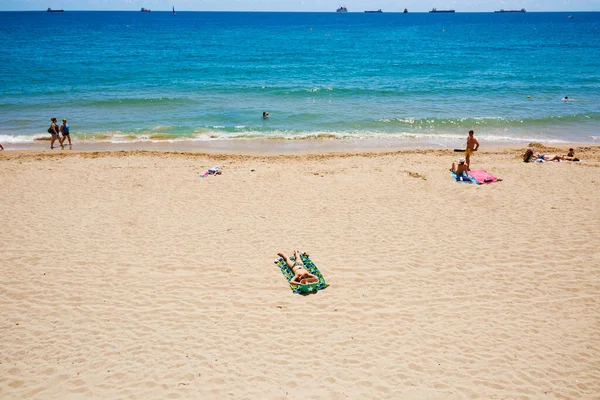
531,156
301,275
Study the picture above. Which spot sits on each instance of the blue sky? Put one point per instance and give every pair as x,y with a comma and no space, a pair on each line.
303,5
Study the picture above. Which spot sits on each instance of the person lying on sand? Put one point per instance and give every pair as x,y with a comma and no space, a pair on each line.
531,156
460,168
301,275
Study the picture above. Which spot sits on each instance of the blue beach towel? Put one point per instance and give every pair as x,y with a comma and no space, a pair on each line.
463,178
310,267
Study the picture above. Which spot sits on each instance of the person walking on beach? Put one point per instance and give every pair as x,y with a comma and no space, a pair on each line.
53,130
472,145
64,129
1,148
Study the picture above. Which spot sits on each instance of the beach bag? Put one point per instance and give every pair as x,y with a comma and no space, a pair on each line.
50,130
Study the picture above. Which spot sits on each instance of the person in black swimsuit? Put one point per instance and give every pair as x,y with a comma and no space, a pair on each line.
53,130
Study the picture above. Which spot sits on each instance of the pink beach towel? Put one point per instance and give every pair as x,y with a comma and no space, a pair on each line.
482,176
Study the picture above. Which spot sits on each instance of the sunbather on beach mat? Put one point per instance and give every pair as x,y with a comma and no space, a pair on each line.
531,156
460,171
462,178
301,273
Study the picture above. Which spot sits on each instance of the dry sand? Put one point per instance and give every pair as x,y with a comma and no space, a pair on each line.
126,275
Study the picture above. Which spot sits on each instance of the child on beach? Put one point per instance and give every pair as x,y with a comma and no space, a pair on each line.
301,275
472,145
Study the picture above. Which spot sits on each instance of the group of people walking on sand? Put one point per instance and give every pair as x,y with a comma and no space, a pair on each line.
56,130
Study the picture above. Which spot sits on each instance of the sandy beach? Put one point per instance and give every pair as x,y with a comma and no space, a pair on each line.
127,275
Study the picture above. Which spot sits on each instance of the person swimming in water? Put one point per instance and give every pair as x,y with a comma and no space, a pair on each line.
301,275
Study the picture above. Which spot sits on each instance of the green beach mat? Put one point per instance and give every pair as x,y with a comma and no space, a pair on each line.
310,267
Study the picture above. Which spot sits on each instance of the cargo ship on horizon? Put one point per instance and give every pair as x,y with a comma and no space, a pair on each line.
510,11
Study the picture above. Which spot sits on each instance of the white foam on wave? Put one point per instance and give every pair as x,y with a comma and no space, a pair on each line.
161,128
440,121
441,138
22,138
438,138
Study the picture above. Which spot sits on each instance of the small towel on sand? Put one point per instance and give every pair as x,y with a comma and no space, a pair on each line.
481,176
462,178
310,267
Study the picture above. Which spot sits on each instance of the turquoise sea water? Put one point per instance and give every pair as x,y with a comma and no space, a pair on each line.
132,76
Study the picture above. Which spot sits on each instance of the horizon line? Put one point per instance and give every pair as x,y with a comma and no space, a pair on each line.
297,11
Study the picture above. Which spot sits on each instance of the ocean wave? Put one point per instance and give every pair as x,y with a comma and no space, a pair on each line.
22,138
138,101
209,134
433,122
293,91
249,133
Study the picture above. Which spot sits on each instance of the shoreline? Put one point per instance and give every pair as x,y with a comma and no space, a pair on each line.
265,147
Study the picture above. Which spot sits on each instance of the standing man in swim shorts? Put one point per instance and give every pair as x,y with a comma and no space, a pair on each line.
472,145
